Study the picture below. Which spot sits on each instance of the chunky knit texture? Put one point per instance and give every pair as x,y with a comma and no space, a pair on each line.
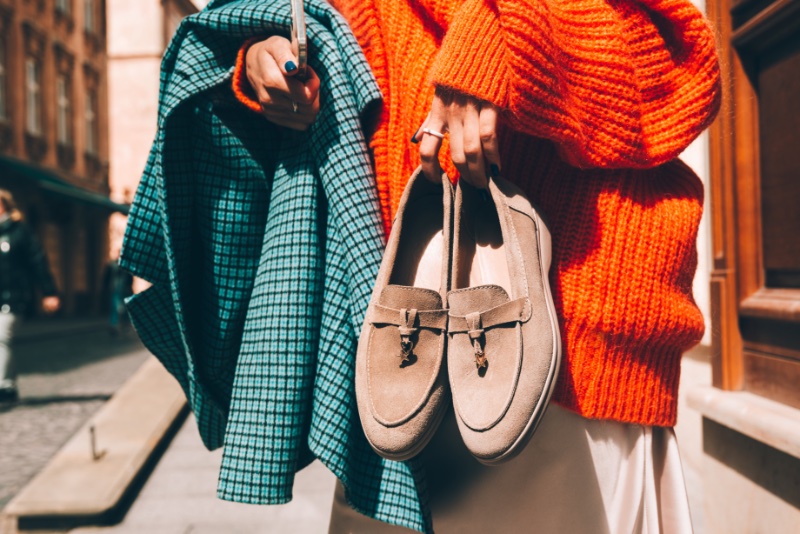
598,97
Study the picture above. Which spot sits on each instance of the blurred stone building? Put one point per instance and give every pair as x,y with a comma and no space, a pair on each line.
53,135
138,35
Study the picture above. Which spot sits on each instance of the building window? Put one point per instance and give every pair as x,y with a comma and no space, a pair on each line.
64,111
88,16
91,123
3,95
33,97
63,7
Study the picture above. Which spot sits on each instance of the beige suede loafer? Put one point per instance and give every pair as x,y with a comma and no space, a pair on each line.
401,380
504,346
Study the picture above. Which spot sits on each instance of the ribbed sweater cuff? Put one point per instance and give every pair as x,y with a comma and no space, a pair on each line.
471,59
620,381
241,85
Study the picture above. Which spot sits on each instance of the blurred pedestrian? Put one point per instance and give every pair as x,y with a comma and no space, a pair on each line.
23,270
117,284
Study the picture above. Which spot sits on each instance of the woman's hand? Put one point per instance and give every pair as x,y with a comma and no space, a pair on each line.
472,124
285,100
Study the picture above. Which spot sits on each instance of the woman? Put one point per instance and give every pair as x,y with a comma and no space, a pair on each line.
23,268
584,105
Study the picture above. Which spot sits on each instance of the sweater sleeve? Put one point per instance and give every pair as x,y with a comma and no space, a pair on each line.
240,84
611,83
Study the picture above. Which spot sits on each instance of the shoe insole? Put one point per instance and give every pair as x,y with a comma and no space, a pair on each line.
489,262
419,254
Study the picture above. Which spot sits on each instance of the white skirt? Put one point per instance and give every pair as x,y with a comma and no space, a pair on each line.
576,476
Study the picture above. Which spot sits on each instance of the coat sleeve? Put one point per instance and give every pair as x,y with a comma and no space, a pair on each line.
611,83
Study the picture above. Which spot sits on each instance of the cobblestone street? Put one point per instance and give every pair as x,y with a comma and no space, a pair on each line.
65,376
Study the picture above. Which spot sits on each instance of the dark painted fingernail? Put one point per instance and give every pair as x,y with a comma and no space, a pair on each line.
414,137
290,66
495,170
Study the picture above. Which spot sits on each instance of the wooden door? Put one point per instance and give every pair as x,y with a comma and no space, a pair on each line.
755,200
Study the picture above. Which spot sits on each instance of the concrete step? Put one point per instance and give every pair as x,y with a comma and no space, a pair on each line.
85,485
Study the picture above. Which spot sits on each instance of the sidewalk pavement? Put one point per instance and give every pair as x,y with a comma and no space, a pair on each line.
66,375
180,498
180,495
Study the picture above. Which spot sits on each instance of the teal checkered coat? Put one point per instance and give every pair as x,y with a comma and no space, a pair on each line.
262,245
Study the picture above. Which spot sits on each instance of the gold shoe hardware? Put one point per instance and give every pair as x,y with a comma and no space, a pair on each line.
476,336
407,318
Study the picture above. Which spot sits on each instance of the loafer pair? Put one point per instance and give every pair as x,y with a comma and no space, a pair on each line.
461,306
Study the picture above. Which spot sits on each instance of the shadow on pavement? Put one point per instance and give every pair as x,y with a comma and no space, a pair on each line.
66,351
53,399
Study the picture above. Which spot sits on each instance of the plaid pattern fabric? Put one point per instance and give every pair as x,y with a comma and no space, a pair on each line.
262,245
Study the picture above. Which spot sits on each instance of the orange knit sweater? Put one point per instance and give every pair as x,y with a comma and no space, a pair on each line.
599,97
